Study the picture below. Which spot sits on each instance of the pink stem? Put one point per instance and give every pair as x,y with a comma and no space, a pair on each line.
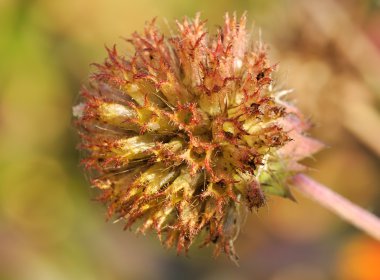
344,208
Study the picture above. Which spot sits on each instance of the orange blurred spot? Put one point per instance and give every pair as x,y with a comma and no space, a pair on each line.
359,260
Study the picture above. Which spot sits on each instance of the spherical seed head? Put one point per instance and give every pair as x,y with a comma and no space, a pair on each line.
187,133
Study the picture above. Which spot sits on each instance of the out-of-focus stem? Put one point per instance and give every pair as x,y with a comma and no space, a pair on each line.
359,115
331,19
344,208
363,121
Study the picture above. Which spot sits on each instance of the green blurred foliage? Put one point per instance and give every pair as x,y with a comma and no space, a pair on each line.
49,226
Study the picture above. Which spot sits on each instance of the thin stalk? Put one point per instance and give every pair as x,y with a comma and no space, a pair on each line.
344,208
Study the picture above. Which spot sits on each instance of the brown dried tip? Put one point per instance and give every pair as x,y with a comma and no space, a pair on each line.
187,133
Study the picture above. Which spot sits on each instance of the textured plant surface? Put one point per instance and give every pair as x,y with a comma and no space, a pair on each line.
187,133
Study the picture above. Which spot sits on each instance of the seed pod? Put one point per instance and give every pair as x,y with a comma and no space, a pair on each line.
188,132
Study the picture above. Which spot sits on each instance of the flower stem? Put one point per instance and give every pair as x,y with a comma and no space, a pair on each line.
344,208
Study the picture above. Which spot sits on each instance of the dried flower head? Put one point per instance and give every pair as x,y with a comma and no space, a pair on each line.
187,133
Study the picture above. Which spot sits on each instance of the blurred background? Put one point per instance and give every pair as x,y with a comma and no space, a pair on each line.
329,53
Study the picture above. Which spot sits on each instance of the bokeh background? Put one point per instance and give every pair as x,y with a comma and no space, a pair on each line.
329,53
